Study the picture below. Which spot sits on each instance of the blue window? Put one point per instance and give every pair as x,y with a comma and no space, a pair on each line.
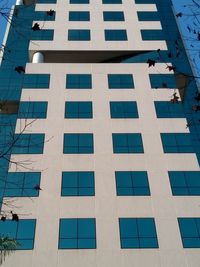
185,183
165,109
125,109
138,233
32,110
148,35
145,1
20,184
120,81
79,16
77,184
43,16
177,143
22,231
162,81
36,81
113,16
132,183
78,143
28,144
79,81
127,143
46,1
79,1
115,35
77,234
148,16
111,1
190,232
78,110
79,35
42,35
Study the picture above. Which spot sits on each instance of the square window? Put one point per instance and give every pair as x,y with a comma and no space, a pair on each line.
148,16
115,35
138,233
36,81
177,143
79,35
113,16
148,35
190,232
132,183
22,231
42,16
42,35
185,183
78,143
111,1
79,16
78,110
46,1
77,184
20,184
123,109
77,234
120,81
32,110
28,144
165,109
145,1
79,1
162,81
78,81
127,143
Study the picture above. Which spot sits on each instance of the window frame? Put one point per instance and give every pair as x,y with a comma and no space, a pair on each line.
40,81
162,81
17,230
123,110
20,184
134,235
29,109
79,182
165,109
190,231
76,235
130,183
30,147
108,2
76,81
118,81
184,183
128,140
173,143
78,149
113,16
78,110
115,35
79,2
79,16
82,35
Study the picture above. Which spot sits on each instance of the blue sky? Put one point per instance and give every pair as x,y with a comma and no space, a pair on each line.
4,4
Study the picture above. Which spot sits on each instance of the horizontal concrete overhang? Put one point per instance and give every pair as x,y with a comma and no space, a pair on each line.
85,56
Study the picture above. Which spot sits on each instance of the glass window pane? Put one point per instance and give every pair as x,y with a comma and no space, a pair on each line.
138,233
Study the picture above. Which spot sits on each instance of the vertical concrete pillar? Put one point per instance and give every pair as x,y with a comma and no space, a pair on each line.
19,2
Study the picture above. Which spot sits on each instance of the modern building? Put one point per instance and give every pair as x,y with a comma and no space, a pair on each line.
99,110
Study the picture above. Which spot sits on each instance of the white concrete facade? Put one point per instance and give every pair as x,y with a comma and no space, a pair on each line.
106,207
